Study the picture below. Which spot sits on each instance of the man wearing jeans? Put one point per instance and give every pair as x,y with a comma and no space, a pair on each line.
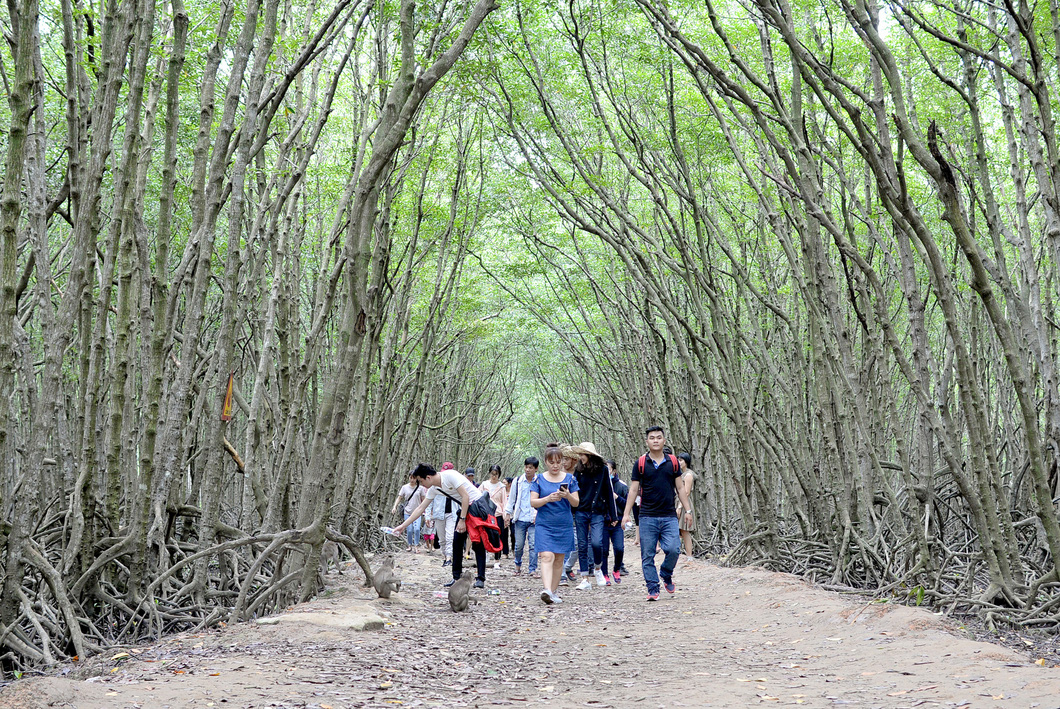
521,515
654,477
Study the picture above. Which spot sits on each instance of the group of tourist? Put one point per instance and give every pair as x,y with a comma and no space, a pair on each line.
576,508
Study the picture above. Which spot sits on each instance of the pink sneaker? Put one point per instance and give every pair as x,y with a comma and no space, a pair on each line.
617,576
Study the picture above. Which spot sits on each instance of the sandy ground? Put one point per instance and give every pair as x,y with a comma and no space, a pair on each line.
727,638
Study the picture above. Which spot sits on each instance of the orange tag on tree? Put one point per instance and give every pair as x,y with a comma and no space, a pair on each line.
226,412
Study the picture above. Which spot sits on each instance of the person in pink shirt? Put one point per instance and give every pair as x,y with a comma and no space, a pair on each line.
498,492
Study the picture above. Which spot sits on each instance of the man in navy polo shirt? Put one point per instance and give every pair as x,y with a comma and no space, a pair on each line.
654,477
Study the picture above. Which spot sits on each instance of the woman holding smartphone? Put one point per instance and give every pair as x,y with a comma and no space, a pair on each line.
553,494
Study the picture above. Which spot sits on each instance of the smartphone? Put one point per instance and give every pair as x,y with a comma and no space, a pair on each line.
564,487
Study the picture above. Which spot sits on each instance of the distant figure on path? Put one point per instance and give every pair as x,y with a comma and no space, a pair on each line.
470,500
521,515
412,494
553,494
688,480
655,477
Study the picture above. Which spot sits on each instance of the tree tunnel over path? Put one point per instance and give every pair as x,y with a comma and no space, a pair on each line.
257,259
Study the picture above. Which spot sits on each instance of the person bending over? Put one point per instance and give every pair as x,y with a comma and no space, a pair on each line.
470,499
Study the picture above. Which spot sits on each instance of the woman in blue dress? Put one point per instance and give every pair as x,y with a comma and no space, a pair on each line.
553,494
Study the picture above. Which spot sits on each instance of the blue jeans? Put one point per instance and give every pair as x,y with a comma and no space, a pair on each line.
583,522
664,532
412,534
572,555
604,536
524,533
597,525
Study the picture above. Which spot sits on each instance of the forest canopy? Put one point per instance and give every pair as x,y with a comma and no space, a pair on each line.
259,258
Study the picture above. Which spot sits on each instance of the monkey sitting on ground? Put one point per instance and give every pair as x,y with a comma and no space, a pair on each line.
384,580
459,591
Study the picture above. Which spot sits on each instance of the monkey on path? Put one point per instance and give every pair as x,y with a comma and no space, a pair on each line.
459,591
384,580
330,553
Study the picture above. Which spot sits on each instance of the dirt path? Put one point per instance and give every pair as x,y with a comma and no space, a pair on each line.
728,638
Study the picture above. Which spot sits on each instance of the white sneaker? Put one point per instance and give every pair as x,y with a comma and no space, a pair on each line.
600,580
547,597
585,585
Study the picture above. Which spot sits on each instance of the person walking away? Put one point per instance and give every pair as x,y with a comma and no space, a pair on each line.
411,494
655,477
614,536
471,501
496,489
520,515
553,494
688,480
596,510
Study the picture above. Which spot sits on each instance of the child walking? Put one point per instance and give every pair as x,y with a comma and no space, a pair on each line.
553,494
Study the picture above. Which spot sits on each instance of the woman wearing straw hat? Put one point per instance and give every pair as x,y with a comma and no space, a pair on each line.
595,509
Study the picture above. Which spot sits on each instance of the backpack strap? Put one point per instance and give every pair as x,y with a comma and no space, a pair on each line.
671,456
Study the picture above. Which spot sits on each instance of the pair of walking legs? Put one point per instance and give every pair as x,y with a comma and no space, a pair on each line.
459,541
445,528
606,535
595,534
412,534
661,531
524,536
583,522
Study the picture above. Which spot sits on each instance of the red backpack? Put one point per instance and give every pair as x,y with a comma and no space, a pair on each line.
643,458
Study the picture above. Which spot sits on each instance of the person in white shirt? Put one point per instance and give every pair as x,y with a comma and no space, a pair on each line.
411,494
443,512
460,490
521,514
